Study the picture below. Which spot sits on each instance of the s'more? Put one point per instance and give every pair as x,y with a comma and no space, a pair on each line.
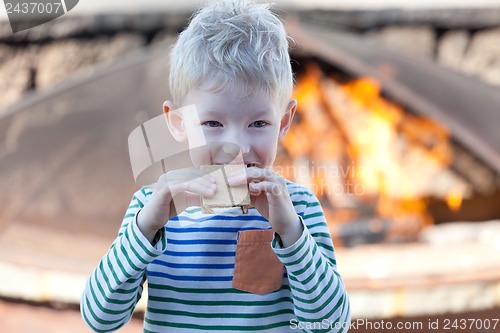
226,196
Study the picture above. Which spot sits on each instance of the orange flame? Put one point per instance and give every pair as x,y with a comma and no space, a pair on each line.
361,147
454,200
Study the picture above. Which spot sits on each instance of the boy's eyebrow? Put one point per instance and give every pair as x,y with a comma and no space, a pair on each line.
260,113
211,112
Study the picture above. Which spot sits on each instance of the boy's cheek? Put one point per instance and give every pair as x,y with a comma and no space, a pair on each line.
196,137
200,156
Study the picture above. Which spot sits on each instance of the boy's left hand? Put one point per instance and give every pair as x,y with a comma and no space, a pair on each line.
269,194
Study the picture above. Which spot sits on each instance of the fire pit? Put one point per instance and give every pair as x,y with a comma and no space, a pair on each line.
385,151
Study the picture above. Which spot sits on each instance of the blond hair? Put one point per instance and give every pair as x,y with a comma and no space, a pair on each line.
232,42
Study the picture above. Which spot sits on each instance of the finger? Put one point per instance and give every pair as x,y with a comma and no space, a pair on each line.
183,175
252,174
238,177
198,186
272,189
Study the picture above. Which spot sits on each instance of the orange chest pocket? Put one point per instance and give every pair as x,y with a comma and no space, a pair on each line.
257,270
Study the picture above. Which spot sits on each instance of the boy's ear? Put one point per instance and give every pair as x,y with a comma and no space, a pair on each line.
174,121
287,118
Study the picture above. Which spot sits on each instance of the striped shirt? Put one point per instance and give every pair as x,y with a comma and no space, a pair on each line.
190,269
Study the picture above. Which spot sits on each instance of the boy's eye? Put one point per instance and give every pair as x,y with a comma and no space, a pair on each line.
259,123
212,123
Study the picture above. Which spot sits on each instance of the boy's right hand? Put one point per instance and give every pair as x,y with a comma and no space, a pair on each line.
175,191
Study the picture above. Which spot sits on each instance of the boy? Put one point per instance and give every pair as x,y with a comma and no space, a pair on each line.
271,270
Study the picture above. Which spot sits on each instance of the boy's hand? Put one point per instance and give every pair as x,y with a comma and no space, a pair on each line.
269,195
175,191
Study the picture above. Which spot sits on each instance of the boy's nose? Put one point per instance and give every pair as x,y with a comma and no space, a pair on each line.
230,149
233,149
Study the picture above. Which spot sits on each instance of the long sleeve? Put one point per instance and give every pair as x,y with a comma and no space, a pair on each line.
115,286
319,296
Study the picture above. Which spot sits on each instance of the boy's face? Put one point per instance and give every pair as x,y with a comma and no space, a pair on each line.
235,130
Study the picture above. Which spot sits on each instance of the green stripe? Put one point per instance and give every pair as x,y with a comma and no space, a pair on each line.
316,225
309,216
120,266
321,234
310,277
313,289
110,266
103,309
219,303
137,255
288,255
101,321
327,247
106,279
218,328
335,308
204,290
163,241
319,309
112,300
123,227
342,300
193,210
306,267
130,262
315,299
141,204
302,193
219,315
298,261
297,203
143,247
342,314
274,242
147,190
95,329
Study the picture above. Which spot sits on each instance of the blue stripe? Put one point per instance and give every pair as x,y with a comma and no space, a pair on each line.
199,254
209,229
193,266
190,278
236,218
201,241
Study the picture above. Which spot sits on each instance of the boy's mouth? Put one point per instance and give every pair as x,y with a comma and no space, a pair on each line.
248,165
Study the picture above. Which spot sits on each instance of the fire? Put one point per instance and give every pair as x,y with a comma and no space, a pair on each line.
354,147
454,200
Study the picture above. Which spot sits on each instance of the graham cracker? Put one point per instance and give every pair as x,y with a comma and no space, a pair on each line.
226,196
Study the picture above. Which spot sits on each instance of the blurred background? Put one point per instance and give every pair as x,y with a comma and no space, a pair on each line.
396,132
